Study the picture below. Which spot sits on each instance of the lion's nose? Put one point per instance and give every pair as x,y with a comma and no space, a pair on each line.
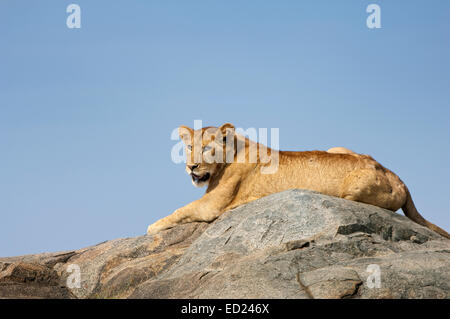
192,167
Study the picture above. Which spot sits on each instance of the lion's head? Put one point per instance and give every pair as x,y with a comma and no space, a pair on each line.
207,151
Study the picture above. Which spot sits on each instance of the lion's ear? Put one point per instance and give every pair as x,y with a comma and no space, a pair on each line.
185,133
227,130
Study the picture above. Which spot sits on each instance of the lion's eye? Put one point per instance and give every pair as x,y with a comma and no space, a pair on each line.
189,147
207,148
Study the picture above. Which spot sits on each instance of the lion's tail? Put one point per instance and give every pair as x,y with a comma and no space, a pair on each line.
411,212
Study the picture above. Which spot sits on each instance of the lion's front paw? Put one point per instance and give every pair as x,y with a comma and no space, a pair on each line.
157,227
165,223
153,229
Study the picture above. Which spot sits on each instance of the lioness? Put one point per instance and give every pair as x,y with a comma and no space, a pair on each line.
232,181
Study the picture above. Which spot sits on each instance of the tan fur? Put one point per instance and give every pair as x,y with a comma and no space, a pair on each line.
340,150
338,172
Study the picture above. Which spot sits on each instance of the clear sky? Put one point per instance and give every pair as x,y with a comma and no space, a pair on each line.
86,114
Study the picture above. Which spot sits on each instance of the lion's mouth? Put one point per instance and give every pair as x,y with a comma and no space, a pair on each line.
197,178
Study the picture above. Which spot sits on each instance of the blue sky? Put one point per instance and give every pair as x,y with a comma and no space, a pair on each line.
86,114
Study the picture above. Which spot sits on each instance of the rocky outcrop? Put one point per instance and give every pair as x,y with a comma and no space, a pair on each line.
294,244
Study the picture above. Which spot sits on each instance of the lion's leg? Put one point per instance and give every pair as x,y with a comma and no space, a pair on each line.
205,209
370,186
183,215
176,218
